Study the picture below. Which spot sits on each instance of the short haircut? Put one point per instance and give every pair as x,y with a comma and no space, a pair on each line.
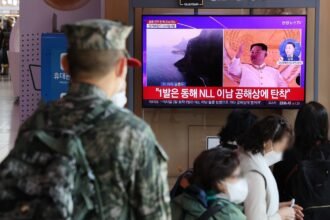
214,165
92,63
263,46
272,128
238,122
293,44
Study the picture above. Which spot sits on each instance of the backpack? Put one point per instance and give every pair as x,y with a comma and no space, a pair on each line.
47,174
181,183
309,183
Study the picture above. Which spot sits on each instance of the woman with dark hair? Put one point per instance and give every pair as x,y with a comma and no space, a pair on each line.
262,146
311,129
311,145
238,122
215,190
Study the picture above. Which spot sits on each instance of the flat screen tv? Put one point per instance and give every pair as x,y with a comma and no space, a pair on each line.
224,61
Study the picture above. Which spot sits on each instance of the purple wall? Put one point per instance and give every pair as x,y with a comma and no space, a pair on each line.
35,19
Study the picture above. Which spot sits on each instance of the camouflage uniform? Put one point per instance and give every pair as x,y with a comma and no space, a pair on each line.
121,148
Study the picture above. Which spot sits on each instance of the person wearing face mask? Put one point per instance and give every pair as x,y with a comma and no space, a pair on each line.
120,98
122,168
216,189
238,122
303,173
261,147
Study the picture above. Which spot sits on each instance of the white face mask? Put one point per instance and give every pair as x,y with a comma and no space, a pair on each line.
119,99
273,157
238,191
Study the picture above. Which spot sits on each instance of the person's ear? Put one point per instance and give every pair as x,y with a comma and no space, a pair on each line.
268,145
266,54
221,187
121,68
65,63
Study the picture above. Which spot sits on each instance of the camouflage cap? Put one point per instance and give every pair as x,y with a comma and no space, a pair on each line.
99,34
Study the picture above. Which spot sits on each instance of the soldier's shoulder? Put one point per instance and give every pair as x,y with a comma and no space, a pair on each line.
125,130
126,124
130,119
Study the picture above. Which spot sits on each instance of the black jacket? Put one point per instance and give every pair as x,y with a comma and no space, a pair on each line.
284,169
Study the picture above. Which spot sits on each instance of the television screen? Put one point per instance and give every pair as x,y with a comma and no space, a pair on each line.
224,61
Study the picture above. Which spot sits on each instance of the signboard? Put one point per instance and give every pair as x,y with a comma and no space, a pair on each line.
191,3
54,81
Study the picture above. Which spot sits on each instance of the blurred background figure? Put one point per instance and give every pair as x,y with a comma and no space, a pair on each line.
4,43
238,122
304,172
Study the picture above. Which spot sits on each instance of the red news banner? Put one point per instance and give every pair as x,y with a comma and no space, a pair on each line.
221,93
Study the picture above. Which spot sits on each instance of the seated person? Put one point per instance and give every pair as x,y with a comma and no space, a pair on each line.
238,122
256,74
303,174
216,188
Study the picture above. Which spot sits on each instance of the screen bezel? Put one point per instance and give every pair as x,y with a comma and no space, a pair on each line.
144,106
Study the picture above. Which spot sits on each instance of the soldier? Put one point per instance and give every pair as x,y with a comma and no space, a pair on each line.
126,167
